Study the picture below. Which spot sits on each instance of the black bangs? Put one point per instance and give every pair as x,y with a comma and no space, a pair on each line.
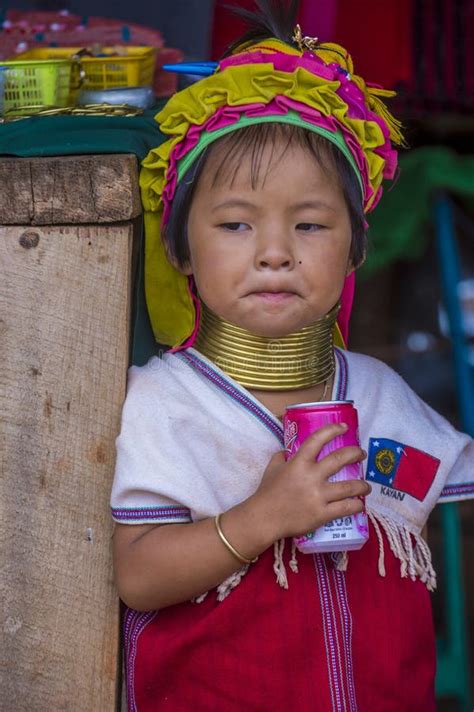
274,18
265,145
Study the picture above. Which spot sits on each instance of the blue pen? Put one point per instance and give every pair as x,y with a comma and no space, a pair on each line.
203,69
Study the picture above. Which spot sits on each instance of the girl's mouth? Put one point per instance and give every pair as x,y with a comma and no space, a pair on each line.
274,297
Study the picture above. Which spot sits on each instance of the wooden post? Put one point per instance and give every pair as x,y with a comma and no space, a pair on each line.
64,344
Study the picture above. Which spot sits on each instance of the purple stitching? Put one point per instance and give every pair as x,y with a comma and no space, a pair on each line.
135,624
343,375
129,620
464,488
228,388
338,671
174,514
326,644
339,577
329,635
346,625
130,613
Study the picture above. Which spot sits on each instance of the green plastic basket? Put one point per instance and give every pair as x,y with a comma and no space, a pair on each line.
134,67
34,85
2,89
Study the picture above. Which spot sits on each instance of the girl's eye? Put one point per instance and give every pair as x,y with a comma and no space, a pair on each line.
234,226
309,227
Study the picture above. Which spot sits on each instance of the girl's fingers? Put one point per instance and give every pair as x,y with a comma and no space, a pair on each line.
338,491
315,442
343,508
336,460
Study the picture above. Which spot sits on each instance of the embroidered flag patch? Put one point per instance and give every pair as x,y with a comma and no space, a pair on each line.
400,468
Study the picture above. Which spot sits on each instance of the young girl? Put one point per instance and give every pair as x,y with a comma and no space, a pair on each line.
260,193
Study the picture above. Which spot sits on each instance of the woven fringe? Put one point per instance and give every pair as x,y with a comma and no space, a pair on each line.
375,523
293,560
410,549
226,586
230,583
279,564
342,561
279,568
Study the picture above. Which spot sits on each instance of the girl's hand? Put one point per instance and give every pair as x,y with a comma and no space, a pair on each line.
295,497
158,566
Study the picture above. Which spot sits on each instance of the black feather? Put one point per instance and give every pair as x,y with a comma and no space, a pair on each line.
274,18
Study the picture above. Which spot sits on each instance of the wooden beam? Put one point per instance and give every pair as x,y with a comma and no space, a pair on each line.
64,306
68,189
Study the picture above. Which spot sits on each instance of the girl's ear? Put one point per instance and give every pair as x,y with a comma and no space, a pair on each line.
351,267
185,268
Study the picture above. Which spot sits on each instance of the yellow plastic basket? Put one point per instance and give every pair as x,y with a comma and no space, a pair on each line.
134,68
35,84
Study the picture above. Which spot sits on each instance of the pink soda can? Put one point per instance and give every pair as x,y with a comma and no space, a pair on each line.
346,533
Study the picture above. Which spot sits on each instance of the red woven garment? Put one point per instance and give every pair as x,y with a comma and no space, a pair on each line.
332,641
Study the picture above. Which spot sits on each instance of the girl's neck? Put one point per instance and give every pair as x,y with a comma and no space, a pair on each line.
277,401
295,365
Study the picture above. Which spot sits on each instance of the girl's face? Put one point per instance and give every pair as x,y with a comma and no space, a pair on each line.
271,259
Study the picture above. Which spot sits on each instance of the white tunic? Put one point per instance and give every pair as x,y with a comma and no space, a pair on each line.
194,443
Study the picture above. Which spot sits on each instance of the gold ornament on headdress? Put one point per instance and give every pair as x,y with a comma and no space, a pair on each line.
304,42
331,52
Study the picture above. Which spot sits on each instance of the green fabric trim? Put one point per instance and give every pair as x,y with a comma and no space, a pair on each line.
292,117
69,135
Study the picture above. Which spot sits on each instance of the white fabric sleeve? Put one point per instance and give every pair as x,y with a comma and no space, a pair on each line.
143,492
460,482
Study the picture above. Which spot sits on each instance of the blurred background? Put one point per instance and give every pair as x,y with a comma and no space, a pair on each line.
414,304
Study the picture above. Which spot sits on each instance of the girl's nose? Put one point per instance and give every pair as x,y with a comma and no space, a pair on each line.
274,254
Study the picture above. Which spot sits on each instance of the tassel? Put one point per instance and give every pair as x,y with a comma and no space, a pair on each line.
293,560
278,564
372,96
409,552
391,531
409,548
379,107
342,561
423,558
226,586
381,564
230,583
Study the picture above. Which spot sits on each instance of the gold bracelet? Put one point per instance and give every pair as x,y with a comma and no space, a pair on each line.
217,521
